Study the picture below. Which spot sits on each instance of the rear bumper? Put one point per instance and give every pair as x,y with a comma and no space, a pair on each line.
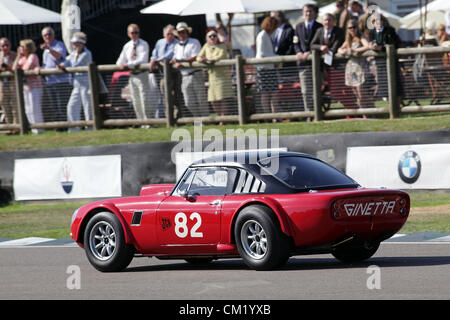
347,240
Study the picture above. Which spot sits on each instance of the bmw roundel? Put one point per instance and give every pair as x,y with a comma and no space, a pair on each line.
409,167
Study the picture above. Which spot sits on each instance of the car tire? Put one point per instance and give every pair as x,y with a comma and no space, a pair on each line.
355,254
259,239
104,243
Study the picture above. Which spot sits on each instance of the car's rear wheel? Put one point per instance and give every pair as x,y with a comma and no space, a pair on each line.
259,239
104,243
353,254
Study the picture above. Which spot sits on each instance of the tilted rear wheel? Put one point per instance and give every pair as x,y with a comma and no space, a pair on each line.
104,243
259,239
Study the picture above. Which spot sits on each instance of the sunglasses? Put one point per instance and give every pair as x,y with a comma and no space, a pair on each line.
350,28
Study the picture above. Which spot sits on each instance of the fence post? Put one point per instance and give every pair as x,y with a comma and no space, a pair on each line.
23,121
391,66
240,90
168,98
95,92
317,84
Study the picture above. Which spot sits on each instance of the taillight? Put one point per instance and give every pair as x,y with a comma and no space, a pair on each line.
335,211
403,209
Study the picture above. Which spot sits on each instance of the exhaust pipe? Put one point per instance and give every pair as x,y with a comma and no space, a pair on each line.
352,237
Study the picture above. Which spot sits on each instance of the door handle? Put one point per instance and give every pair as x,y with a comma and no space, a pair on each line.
215,202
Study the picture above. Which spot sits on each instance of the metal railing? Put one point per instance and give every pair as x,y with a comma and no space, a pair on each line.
397,82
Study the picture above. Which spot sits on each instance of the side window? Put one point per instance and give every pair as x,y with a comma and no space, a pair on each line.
247,183
209,182
185,182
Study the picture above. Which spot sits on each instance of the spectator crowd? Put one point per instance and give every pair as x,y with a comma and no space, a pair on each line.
350,31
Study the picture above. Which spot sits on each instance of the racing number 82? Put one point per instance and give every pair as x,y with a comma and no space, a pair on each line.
181,229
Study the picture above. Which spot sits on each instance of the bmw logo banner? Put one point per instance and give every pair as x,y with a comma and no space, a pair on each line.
409,167
68,178
422,166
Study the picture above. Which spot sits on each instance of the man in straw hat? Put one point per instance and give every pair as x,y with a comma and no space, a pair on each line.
192,83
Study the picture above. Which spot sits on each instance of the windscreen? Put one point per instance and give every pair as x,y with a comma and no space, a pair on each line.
307,173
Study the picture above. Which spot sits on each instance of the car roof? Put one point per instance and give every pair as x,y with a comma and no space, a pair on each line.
245,158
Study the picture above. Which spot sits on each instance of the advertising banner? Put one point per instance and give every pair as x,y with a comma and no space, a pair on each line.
422,166
68,177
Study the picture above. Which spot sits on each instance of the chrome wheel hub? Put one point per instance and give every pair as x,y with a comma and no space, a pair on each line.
102,240
254,239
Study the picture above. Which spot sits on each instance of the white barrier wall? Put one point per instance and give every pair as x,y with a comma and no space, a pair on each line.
424,166
68,177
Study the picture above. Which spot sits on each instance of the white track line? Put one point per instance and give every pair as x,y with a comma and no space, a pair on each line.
24,241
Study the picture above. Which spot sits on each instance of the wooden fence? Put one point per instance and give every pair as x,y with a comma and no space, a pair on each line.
238,64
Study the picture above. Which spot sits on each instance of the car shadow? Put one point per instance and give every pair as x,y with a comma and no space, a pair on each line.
297,263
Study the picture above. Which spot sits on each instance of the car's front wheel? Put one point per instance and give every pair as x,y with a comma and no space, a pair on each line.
104,243
259,239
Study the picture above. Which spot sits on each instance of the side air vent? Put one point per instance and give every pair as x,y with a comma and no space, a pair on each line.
137,217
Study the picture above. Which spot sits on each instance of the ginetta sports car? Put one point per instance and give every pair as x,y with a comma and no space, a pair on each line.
263,207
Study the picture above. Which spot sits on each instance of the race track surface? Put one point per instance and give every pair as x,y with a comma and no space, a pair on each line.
399,270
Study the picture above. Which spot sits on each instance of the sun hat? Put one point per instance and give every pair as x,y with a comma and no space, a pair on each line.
183,26
79,37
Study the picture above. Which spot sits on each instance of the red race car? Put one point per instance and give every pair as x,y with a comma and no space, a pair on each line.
263,207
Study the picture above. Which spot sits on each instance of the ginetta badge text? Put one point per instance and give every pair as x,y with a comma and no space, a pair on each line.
369,208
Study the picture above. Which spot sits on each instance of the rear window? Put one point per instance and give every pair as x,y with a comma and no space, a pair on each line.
306,173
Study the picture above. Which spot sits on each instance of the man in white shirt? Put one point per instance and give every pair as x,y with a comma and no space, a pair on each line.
192,82
134,53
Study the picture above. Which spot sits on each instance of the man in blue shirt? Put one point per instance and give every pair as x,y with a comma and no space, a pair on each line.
163,51
57,86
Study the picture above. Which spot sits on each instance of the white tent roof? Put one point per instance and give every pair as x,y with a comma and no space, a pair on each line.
20,12
435,13
192,7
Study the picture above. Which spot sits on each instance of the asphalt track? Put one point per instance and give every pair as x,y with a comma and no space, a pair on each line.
404,270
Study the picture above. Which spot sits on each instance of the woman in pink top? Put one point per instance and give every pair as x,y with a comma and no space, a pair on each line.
28,60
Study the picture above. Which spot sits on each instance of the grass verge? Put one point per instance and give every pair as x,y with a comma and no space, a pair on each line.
51,139
38,220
